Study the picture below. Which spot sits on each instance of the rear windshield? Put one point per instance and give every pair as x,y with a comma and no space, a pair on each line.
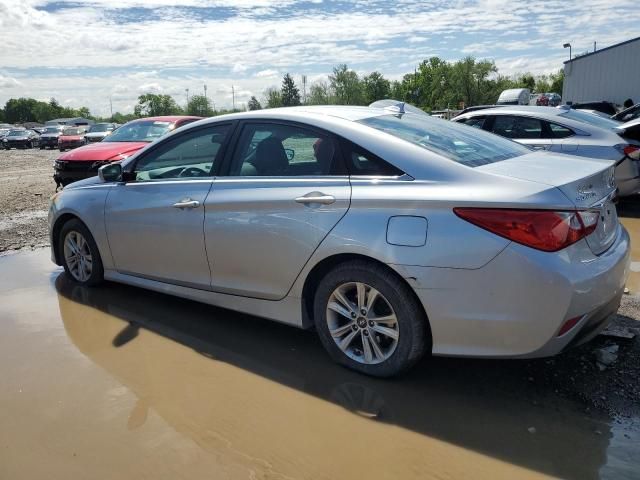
101,127
72,131
590,118
52,130
466,145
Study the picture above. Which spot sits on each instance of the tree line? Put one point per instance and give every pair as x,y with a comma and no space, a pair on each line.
435,84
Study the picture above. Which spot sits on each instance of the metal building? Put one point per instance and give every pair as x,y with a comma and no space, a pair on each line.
611,74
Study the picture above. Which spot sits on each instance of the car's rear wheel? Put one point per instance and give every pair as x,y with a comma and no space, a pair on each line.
368,319
79,254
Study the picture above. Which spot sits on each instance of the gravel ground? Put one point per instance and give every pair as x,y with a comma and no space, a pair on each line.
26,184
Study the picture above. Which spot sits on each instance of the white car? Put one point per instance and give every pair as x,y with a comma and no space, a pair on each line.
565,130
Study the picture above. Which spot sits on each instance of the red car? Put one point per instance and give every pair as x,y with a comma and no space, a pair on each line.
72,137
84,162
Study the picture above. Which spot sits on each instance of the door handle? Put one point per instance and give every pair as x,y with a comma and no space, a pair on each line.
316,197
187,203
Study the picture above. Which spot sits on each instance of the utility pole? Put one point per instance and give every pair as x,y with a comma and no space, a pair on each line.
594,46
206,104
111,107
233,97
187,91
304,89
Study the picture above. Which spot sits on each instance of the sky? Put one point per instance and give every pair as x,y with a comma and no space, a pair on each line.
88,52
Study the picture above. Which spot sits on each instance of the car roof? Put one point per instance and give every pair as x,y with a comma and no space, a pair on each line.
168,118
541,112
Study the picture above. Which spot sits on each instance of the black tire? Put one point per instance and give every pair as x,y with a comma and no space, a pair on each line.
414,339
61,149
29,145
97,271
41,147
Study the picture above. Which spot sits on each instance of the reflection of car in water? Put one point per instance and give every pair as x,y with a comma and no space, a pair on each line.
217,377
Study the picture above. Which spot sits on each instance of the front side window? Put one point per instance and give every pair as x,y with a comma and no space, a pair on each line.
275,150
469,146
190,155
477,122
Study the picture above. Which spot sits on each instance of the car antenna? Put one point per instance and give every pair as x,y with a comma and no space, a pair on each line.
397,109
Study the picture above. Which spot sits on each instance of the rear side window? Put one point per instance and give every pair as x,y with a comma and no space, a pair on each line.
558,131
517,127
469,146
361,162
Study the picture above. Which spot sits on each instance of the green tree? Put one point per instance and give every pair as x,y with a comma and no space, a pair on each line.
375,87
151,105
319,94
254,104
289,92
199,105
346,86
557,81
123,118
20,110
273,97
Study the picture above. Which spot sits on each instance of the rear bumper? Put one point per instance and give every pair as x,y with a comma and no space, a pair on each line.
515,305
79,143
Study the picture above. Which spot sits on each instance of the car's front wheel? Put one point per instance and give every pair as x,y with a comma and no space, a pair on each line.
79,254
368,319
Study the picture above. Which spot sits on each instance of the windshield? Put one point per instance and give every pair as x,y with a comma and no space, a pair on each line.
72,131
17,133
590,118
52,130
139,131
101,127
460,143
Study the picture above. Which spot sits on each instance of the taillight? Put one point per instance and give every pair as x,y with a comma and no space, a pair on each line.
545,230
632,152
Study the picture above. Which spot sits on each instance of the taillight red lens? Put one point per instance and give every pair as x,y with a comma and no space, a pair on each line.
544,230
632,152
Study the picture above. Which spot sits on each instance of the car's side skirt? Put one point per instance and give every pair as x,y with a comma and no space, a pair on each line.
287,311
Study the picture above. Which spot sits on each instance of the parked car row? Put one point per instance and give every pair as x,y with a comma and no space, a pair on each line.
55,136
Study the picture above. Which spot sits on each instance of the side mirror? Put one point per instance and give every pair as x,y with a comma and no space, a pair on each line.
290,153
111,172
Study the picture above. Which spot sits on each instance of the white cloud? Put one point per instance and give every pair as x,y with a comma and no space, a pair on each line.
268,73
91,54
150,88
9,82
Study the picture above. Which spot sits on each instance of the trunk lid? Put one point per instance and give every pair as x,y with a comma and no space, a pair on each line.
588,183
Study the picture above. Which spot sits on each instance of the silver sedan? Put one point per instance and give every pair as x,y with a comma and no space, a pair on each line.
393,234
565,130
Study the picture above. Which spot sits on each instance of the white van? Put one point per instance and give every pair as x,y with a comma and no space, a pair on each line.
514,96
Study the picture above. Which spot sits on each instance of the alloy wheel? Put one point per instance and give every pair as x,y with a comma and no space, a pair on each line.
362,323
77,255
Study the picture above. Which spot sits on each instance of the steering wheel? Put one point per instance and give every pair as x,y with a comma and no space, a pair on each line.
193,172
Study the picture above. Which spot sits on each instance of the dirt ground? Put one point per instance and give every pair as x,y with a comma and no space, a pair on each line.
26,183
602,375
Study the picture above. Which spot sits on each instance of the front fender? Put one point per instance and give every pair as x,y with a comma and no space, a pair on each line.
87,204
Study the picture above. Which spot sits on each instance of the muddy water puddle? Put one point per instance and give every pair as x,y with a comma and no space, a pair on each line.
117,382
